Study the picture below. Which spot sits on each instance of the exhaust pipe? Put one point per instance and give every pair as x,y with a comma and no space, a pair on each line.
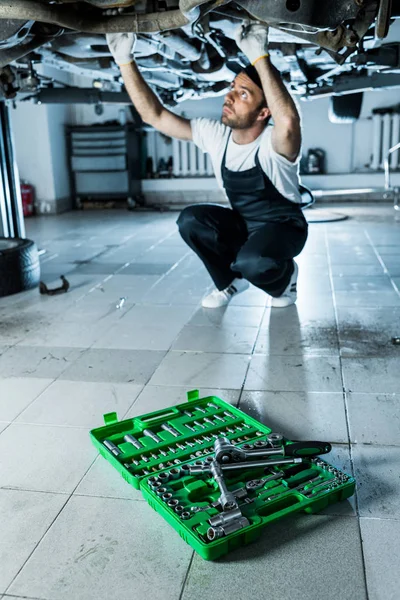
66,17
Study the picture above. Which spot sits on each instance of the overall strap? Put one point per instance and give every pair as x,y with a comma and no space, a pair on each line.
226,148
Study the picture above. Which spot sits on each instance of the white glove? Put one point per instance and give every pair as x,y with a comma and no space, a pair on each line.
121,47
252,39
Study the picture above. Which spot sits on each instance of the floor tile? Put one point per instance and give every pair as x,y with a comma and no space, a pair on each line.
44,458
80,403
3,425
383,427
146,328
283,338
371,375
24,517
368,299
299,415
158,397
43,363
17,325
245,316
114,366
139,268
367,271
382,557
104,481
133,287
194,369
294,374
17,393
231,340
69,333
291,549
98,268
362,284
251,297
100,555
368,332
378,484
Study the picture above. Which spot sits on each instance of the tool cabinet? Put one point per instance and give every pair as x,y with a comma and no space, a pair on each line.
158,452
104,162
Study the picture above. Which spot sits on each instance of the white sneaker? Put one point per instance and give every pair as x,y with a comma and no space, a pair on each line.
289,296
219,298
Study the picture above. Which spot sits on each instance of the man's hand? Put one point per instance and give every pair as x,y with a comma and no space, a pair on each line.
121,47
252,39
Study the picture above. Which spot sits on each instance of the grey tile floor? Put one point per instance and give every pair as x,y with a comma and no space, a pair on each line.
71,528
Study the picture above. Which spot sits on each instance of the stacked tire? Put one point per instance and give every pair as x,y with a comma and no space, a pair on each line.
19,265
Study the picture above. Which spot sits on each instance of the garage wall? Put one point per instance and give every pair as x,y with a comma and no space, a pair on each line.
348,147
33,149
40,148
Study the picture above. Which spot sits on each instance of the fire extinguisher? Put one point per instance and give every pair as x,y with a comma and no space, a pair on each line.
28,199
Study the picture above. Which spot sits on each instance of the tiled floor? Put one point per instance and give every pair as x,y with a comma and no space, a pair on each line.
71,528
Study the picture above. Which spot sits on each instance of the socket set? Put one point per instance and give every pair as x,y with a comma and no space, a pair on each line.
217,475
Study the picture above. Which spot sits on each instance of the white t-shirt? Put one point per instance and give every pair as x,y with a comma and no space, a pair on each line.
211,136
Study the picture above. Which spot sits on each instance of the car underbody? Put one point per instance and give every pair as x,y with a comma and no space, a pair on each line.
186,48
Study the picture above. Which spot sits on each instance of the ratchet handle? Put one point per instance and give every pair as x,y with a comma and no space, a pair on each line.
302,449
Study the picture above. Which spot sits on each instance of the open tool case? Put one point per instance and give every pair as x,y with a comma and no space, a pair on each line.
158,452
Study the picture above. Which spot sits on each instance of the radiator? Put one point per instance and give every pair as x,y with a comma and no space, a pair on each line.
385,135
188,160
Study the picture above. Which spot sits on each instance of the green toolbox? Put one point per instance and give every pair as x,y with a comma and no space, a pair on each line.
217,475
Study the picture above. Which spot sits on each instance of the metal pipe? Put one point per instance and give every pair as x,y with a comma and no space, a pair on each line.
180,45
80,96
377,141
394,160
8,56
387,166
65,17
387,121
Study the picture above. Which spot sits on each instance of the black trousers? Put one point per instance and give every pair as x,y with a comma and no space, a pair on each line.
264,256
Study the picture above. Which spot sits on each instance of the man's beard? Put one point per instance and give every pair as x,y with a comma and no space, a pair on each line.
243,122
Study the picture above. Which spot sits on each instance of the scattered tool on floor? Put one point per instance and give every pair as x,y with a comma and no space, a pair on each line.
121,302
43,289
217,475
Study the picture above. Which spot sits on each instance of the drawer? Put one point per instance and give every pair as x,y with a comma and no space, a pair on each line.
99,163
99,184
98,135
100,145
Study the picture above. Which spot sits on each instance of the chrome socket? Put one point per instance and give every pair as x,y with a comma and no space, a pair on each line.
173,503
163,477
175,473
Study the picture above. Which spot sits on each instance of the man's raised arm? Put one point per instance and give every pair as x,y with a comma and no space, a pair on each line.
252,39
143,98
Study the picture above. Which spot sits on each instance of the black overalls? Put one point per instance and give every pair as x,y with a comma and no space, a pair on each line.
256,240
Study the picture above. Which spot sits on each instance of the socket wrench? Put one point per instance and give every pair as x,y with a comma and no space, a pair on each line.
226,499
205,468
226,452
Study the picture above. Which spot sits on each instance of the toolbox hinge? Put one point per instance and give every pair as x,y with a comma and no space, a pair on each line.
193,395
110,418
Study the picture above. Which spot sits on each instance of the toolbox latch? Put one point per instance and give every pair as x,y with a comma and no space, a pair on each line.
110,418
193,395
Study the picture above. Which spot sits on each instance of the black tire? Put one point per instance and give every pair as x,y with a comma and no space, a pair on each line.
19,266
345,109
